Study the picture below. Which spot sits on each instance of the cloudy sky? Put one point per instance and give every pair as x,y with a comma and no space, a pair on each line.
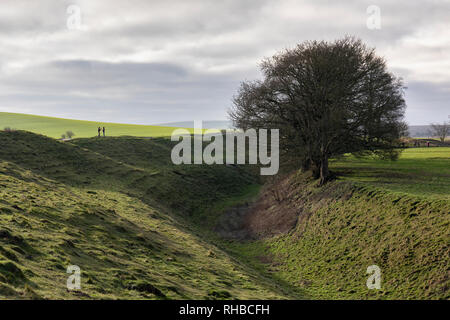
147,62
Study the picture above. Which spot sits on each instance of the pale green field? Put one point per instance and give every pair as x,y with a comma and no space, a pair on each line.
421,172
55,127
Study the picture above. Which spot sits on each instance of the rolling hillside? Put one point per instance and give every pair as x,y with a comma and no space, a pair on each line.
142,228
395,215
55,127
123,223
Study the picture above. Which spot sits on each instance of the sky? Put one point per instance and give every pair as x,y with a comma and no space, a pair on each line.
148,62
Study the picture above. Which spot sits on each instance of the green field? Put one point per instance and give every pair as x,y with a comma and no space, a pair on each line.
422,172
55,127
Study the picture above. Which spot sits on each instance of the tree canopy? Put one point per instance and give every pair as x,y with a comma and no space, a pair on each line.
327,99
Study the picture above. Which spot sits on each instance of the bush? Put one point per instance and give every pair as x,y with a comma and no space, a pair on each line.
9,129
70,134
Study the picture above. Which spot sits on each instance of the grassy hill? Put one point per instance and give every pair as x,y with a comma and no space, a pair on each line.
121,217
392,214
140,227
55,127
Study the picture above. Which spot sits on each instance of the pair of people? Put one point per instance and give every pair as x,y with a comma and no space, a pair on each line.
100,130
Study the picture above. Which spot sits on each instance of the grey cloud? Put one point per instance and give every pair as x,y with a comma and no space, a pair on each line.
182,59
143,92
427,102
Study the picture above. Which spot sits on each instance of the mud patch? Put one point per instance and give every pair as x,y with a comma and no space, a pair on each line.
275,211
232,224
282,205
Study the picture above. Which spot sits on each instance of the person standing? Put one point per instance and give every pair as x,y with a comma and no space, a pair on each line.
104,131
99,131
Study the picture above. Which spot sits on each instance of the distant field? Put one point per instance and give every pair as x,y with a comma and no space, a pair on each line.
419,171
55,127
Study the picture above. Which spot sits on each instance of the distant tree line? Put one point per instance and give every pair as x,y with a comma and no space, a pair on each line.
69,135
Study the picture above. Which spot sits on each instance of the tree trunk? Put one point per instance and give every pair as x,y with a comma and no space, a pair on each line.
306,165
315,169
324,171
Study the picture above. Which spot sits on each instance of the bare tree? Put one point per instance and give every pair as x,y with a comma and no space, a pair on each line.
440,130
327,99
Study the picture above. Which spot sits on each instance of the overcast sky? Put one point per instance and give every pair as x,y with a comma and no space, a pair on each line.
151,61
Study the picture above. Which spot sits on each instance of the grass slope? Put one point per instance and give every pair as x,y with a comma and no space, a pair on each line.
92,204
140,227
55,127
391,214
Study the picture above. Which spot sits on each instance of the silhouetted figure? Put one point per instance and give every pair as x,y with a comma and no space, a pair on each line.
428,143
104,131
99,130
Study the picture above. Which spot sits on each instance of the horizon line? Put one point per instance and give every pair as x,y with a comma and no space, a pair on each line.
130,123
